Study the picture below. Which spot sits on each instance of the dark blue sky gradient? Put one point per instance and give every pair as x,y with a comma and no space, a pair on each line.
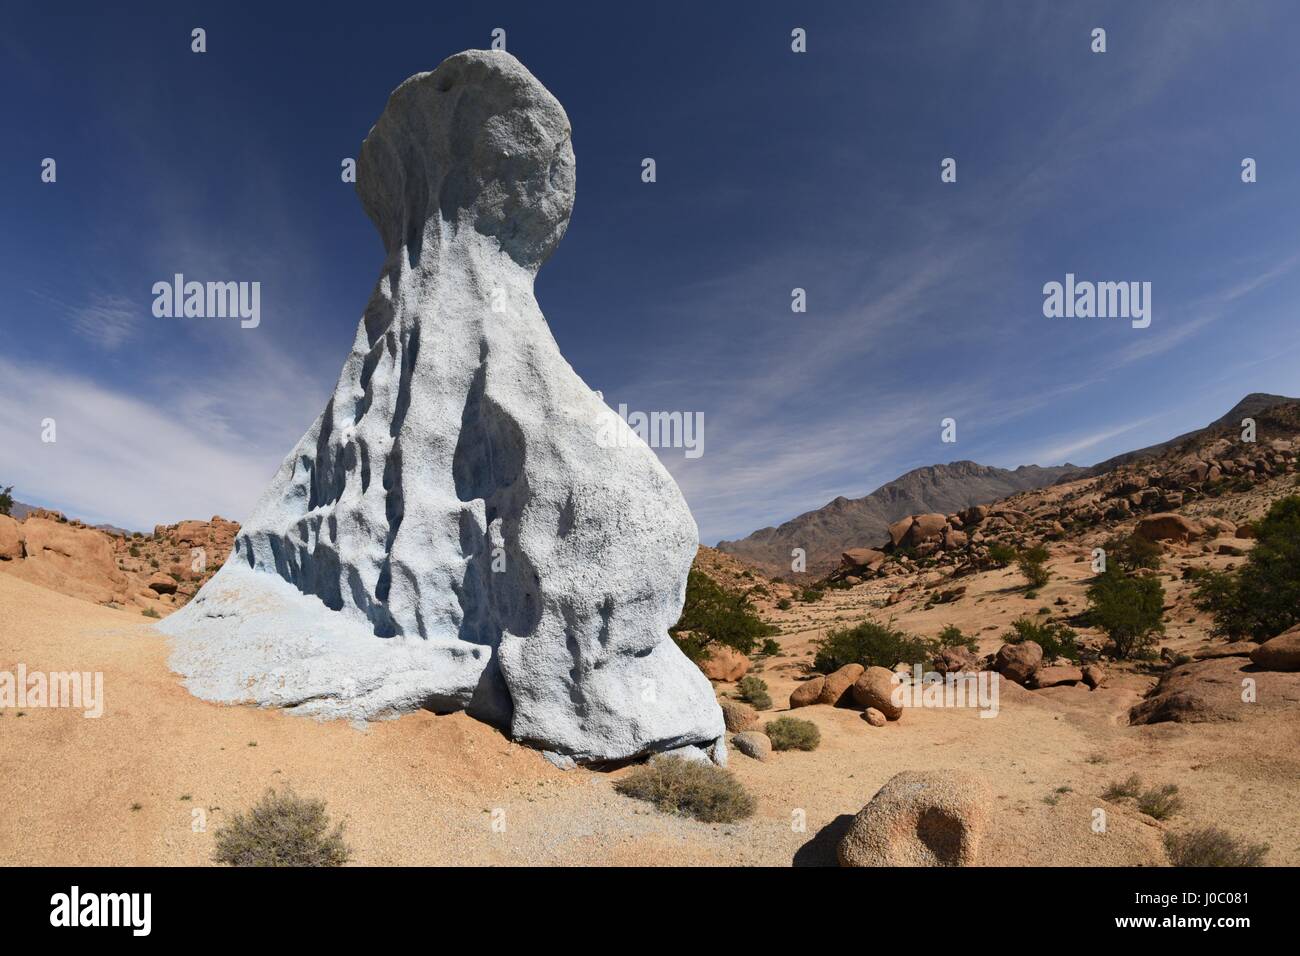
775,170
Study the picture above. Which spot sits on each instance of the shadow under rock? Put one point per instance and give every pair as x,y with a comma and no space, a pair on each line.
820,850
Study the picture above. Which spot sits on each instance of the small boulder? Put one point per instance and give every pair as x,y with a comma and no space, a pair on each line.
898,530
928,527
738,715
955,660
753,743
11,539
1231,649
1168,527
875,688
836,689
1281,653
1094,675
919,818
862,557
807,692
725,664
1057,676
874,717
1018,662
954,540
161,583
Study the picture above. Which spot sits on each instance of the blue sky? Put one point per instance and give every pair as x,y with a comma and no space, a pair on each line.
776,170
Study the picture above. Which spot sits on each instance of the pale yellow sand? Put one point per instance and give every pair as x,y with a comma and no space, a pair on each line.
423,789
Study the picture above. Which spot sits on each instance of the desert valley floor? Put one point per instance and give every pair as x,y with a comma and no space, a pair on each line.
422,789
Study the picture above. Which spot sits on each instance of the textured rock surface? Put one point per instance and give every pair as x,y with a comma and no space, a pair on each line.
920,818
807,693
837,686
874,689
1018,662
753,743
725,664
467,523
1281,653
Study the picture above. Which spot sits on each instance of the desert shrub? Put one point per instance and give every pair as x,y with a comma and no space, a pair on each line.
133,551
1160,803
283,829
6,500
1262,599
952,636
753,690
1133,552
1032,563
872,645
713,615
791,733
812,595
1056,640
1123,788
784,604
1001,554
769,647
1210,846
692,788
1129,610
150,612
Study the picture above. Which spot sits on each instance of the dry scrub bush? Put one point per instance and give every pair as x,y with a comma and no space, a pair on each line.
688,787
282,829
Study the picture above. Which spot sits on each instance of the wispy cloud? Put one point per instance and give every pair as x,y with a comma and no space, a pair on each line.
105,321
117,458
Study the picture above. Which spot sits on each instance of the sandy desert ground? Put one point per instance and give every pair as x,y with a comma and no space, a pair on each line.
426,789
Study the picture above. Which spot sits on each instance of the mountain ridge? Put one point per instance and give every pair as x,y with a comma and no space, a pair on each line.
855,522
844,523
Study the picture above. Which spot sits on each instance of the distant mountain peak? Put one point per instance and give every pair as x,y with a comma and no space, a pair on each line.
861,522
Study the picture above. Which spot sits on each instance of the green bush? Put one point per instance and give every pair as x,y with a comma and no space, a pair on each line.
1056,640
6,500
952,636
1160,803
689,787
1001,554
1133,552
1210,846
1129,610
753,690
812,595
791,733
283,829
713,615
1123,788
784,604
1262,599
1032,563
872,645
769,647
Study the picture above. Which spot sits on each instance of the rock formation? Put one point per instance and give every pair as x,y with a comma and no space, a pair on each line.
457,529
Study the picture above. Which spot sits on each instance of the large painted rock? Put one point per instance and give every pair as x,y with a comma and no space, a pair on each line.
467,524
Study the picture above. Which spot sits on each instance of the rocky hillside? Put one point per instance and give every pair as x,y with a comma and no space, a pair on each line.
1249,407
153,574
1206,489
857,522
